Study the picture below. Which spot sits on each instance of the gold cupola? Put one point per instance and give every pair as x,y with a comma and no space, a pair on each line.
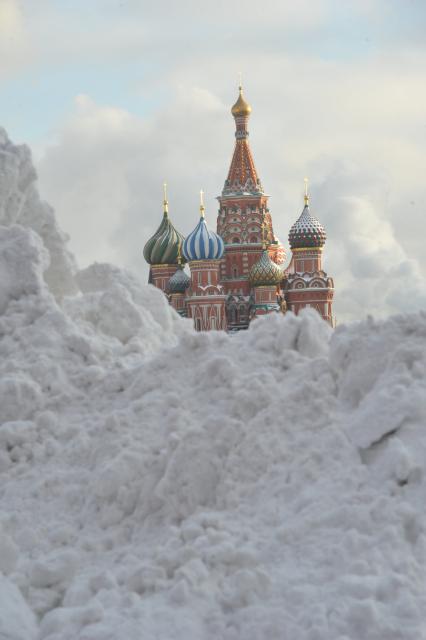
241,107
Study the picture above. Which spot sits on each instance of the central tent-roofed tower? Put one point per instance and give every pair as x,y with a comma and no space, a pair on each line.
242,212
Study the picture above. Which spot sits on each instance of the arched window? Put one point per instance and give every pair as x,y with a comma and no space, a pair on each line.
236,240
235,271
197,324
213,322
254,239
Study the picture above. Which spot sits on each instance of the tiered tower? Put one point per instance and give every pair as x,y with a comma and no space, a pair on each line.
242,212
307,285
205,301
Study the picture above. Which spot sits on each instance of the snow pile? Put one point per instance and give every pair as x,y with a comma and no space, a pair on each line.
21,204
159,483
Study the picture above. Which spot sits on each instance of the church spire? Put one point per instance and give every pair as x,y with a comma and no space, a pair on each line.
242,176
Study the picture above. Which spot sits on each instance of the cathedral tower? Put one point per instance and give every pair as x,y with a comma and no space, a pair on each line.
242,211
307,285
205,301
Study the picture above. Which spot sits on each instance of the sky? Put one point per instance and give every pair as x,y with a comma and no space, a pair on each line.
114,97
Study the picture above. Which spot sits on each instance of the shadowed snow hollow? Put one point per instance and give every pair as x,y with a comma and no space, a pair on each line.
161,483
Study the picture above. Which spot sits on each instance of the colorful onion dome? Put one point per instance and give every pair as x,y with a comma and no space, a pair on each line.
179,282
307,231
162,248
265,272
241,107
202,243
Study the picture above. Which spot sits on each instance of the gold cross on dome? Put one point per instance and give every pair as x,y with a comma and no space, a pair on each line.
202,208
165,201
306,196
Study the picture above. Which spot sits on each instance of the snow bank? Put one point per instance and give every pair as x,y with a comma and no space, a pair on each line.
17,621
21,204
20,277
156,482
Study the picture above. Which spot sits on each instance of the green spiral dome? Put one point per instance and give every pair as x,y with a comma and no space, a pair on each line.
265,272
163,247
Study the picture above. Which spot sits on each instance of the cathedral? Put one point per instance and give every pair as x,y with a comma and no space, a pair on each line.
238,272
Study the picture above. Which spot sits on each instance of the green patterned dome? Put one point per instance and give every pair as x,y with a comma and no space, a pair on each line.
163,247
265,272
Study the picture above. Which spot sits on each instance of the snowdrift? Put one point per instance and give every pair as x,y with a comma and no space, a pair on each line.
159,483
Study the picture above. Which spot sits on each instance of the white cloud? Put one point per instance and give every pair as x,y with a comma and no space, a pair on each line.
14,40
373,273
105,173
113,30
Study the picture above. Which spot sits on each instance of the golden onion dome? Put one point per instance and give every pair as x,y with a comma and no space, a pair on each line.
241,107
265,272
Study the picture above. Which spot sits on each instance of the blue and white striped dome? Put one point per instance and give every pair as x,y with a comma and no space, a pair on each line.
203,244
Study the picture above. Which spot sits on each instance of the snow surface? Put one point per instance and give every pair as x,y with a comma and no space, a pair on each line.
161,483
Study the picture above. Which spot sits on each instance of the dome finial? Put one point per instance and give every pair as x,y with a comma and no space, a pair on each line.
179,253
240,83
306,196
202,208
165,201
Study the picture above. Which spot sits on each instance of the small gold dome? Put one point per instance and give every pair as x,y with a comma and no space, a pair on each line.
265,272
241,107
